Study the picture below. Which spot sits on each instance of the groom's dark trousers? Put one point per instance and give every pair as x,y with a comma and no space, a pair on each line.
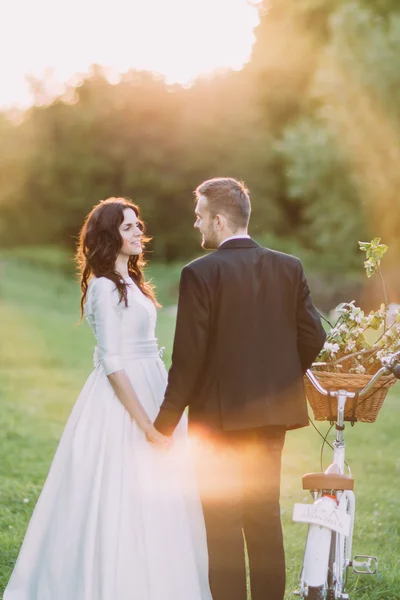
239,478
246,331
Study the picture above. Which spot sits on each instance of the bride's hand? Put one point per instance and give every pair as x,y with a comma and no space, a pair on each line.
155,437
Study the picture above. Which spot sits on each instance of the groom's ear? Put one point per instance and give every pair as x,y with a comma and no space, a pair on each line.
219,221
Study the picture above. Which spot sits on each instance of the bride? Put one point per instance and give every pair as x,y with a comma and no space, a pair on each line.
119,517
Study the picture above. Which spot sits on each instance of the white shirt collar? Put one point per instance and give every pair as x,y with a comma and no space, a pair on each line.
235,237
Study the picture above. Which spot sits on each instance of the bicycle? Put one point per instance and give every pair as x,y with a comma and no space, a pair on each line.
328,550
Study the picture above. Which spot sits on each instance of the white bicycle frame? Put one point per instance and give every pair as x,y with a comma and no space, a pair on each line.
334,514
319,539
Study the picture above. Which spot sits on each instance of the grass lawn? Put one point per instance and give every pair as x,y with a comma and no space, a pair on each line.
45,357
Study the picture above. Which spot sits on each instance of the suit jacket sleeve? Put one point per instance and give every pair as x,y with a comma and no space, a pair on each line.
310,333
189,350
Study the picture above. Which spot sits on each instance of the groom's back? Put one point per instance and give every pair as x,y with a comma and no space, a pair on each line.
252,374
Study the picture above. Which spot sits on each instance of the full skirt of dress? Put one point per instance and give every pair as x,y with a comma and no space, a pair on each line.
118,518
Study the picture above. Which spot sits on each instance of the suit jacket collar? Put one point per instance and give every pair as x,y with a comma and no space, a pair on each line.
239,243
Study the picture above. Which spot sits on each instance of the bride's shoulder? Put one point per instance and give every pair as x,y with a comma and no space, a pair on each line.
102,294
100,286
101,283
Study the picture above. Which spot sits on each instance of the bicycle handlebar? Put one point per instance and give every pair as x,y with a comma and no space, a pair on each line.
391,364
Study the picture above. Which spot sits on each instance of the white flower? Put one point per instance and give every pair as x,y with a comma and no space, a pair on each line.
351,345
357,331
360,369
333,348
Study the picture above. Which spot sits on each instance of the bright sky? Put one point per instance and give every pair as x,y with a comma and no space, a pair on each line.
178,38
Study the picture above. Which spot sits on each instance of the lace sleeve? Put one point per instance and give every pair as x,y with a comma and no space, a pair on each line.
106,314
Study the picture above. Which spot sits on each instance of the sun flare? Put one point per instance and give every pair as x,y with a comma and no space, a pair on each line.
179,39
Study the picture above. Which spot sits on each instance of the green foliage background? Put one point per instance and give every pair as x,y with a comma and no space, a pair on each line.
311,124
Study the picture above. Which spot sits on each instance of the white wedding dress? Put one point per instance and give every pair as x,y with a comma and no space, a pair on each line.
118,518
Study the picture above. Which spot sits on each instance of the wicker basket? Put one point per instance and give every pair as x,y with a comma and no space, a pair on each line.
365,409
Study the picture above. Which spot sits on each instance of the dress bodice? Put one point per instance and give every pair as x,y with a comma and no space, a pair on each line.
119,330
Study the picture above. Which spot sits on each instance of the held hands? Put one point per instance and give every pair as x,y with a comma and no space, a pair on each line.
158,439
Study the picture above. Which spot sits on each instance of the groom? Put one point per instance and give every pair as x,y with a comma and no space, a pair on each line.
246,332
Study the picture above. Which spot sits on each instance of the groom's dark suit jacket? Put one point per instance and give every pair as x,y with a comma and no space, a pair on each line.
246,332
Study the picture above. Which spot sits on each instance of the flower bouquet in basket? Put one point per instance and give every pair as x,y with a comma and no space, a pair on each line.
353,348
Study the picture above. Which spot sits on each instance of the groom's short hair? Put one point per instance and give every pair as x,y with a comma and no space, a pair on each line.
229,197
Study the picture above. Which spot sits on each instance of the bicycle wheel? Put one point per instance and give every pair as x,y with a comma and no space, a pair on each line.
335,569
317,593
316,559
331,576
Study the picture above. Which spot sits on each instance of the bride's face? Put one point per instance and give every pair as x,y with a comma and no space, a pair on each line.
131,234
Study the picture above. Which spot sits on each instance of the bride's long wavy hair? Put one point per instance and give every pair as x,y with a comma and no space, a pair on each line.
100,243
